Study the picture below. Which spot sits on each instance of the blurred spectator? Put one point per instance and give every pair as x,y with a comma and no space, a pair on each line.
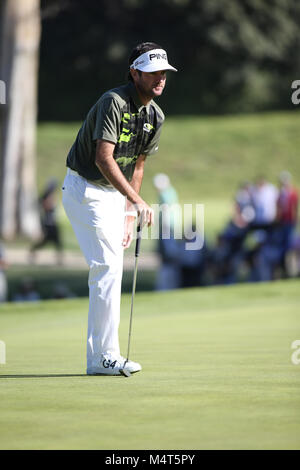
229,252
168,276
62,291
244,205
287,207
271,254
167,196
51,232
268,256
192,262
3,281
264,197
27,292
253,245
293,257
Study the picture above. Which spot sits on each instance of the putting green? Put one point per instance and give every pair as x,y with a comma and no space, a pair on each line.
217,373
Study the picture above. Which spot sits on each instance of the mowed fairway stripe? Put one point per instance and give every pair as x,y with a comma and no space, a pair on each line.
217,373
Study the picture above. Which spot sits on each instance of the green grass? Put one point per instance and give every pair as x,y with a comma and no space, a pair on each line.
217,373
206,158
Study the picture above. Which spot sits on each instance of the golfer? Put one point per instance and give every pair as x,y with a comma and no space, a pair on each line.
105,169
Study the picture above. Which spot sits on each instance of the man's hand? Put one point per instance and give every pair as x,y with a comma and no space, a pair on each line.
145,217
128,231
145,214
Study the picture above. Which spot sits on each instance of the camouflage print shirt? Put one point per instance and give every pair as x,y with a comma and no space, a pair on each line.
120,118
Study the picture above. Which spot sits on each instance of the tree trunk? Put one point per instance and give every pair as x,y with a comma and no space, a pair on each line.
19,62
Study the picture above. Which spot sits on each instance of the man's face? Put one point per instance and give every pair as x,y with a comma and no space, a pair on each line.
150,84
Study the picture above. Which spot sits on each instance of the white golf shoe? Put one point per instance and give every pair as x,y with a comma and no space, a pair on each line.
110,364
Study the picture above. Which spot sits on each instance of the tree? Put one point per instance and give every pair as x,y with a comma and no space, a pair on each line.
19,39
232,55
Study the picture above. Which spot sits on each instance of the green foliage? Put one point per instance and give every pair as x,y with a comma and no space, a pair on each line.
232,56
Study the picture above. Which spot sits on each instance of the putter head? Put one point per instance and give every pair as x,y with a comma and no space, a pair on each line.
125,372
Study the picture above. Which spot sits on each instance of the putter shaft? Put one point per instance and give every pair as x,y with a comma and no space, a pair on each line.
137,252
131,309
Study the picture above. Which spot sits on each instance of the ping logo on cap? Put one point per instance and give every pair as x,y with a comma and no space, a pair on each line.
153,60
158,56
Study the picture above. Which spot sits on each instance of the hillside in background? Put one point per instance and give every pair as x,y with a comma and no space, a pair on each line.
206,158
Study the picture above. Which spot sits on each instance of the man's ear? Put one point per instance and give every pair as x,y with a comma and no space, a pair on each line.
133,73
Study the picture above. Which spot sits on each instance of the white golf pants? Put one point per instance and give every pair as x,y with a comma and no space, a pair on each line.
97,217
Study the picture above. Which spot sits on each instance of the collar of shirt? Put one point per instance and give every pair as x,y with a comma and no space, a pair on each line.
136,99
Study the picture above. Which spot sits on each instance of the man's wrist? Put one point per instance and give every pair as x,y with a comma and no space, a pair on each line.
131,214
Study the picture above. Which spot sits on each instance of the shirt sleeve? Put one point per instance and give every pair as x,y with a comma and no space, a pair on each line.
107,125
153,146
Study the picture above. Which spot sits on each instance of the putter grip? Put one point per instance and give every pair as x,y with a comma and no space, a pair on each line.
138,240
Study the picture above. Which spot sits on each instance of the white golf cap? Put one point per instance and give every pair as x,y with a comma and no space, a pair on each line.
152,61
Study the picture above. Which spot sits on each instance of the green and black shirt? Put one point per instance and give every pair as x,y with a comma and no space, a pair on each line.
119,117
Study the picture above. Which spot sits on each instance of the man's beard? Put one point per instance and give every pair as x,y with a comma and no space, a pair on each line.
147,92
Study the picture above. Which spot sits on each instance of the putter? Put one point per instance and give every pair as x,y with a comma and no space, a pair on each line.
123,371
